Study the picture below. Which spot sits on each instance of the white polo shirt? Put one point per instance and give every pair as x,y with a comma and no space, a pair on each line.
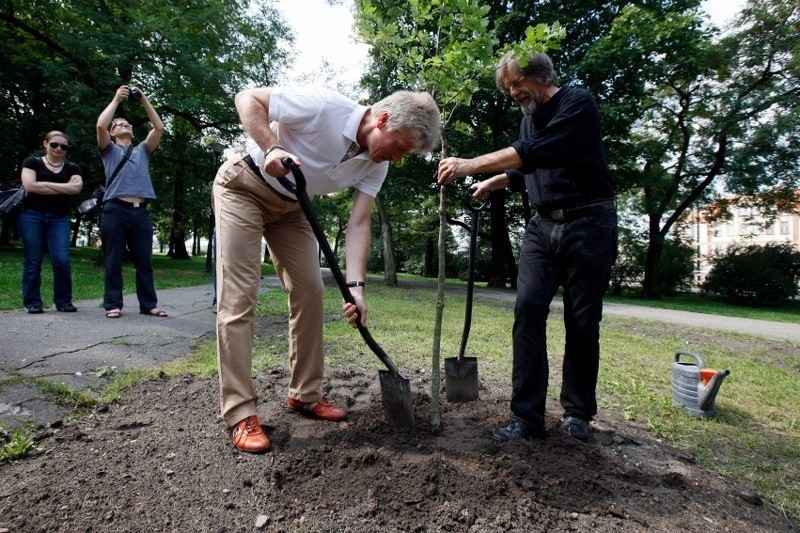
318,126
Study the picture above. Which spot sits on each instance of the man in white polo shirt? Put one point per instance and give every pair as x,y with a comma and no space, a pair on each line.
338,144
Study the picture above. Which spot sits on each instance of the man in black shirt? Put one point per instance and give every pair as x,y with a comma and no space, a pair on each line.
571,242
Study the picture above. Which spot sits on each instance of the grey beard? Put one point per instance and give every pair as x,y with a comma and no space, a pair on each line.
530,107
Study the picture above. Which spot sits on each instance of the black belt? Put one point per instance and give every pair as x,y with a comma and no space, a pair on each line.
592,208
123,203
252,164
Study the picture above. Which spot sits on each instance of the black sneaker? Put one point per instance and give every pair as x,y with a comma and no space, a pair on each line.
517,429
575,427
67,308
35,309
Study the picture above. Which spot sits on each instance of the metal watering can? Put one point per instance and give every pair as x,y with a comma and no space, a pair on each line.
695,387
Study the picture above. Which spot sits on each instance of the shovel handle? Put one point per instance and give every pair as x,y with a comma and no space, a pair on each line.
473,239
298,188
471,202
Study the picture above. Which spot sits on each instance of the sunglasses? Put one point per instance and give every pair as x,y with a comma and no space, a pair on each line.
59,145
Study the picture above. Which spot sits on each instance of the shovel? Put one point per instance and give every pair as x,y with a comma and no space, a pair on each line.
461,373
395,389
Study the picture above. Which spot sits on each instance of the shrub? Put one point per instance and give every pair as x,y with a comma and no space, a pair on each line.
757,275
677,267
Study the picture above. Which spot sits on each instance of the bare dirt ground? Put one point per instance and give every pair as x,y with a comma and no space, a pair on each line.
160,460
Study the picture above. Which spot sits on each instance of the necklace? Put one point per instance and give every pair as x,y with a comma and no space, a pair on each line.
53,164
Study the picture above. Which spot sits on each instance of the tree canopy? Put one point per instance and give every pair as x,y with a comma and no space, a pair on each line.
62,62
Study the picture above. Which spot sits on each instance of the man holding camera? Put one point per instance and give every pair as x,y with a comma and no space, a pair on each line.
124,221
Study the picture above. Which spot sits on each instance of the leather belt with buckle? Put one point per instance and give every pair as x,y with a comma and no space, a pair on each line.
592,208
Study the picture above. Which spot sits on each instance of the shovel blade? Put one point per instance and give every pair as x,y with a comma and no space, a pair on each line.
461,380
396,397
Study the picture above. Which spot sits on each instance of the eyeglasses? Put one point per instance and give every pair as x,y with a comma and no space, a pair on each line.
516,83
122,125
59,145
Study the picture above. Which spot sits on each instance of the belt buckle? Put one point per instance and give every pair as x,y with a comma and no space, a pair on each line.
557,215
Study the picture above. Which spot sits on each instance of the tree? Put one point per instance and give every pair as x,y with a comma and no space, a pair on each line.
62,61
686,111
443,49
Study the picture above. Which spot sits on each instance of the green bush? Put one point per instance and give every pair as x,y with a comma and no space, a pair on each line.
677,267
756,275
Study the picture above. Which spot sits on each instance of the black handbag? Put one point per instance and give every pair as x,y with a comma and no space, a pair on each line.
12,202
93,204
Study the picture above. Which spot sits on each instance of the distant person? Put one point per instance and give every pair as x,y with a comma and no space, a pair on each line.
124,221
339,144
571,242
44,224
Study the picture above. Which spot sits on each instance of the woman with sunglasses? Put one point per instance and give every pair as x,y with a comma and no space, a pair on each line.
44,224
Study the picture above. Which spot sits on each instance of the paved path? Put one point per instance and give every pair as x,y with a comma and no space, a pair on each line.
772,330
77,348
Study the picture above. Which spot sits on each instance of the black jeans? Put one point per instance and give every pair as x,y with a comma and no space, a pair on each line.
123,225
578,255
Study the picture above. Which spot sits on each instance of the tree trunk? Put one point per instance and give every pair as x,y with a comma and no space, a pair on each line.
428,268
499,238
650,284
436,415
387,243
178,234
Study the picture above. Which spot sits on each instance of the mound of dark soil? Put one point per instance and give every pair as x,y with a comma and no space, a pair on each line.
160,460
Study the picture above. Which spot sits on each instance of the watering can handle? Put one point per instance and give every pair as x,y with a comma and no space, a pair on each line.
700,363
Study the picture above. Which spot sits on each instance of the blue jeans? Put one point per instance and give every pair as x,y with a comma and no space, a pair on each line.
578,255
121,226
38,232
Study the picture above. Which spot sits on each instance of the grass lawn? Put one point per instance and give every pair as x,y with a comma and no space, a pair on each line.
87,275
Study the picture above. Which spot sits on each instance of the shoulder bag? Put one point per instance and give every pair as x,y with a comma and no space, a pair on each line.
11,202
93,204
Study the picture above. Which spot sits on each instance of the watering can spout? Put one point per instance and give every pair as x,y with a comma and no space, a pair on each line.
711,380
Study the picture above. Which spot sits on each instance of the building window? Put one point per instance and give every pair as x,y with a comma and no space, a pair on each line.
784,227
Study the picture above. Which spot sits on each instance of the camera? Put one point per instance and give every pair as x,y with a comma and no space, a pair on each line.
134,94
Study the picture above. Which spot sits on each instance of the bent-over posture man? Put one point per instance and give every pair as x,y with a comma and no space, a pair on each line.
338,144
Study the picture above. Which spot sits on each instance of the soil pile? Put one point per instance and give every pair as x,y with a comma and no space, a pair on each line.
160,460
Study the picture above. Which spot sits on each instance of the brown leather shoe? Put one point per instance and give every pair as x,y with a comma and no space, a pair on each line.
323,408
249,437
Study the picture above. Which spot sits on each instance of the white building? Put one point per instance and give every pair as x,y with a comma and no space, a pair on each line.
747,226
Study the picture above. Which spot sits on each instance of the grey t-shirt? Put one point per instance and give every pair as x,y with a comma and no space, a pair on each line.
133,178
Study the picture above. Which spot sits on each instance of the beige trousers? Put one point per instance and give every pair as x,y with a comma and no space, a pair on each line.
245,209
